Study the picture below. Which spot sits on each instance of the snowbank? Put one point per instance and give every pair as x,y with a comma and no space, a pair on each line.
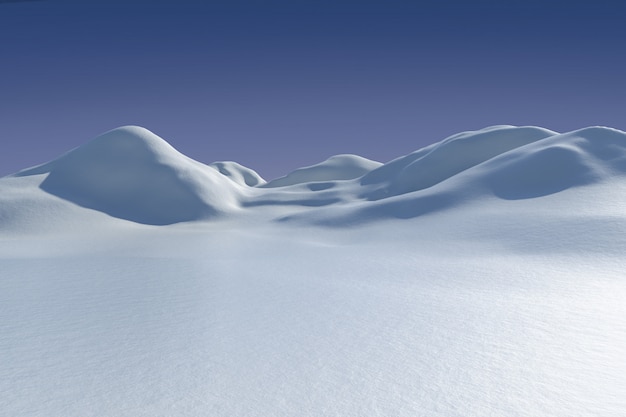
338,167
133,174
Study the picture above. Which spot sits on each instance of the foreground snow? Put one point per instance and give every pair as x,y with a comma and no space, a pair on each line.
454,294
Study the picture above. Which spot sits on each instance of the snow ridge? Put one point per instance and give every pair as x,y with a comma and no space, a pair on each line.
338,167
132,174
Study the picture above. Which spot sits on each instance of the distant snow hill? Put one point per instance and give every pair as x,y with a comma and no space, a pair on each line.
132,174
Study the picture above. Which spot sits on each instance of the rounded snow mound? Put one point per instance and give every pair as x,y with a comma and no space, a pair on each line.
564,161
133,174
545,167
238,173
338,167
431,165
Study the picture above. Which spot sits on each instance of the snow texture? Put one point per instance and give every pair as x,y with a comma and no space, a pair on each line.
133,174
482,275
338,167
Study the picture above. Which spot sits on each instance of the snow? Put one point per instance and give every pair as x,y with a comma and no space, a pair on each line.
496,290
338,167
238,173
436,163
131,173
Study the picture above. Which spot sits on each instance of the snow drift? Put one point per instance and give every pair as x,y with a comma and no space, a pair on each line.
436,163
338,167
531,167
238,173
499,292
132,174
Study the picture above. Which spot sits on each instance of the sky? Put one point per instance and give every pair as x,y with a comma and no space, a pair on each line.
277,85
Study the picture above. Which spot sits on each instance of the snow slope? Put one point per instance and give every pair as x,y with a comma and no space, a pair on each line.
482,275
132,174
501,162
238,173
436,163
338,167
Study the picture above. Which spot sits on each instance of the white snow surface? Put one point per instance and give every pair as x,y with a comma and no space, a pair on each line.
338,167
133,174
482,275
238,173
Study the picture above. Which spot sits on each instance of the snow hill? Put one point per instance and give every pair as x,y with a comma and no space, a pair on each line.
131,174
338,167
481,275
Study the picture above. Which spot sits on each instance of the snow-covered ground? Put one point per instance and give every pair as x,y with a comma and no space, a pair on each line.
483,275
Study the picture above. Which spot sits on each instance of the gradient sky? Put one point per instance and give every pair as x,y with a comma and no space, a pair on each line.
278,85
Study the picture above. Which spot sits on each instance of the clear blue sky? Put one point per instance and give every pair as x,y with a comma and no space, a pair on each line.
277,85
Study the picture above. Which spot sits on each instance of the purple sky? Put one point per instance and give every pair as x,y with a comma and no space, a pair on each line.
279,85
